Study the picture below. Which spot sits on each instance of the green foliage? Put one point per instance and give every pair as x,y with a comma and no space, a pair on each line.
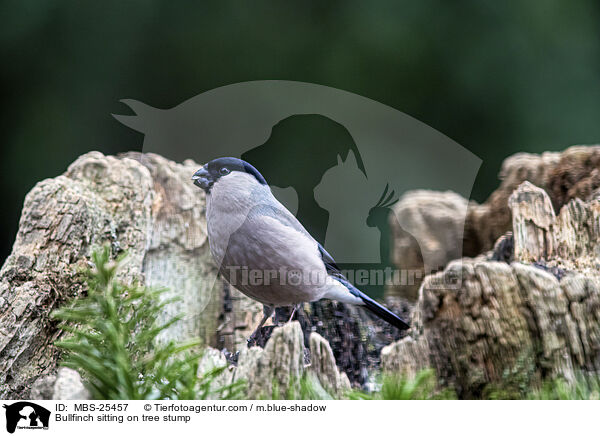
423,386
113,342
583,388
307,388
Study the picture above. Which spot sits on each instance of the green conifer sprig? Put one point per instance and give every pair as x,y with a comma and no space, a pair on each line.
112,342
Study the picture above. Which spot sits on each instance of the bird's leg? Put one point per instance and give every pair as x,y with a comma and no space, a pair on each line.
267,312
293,312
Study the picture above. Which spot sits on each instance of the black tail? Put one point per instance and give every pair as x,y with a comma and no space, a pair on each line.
382,312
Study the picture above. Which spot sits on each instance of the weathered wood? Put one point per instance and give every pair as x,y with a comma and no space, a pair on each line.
532,220
143,206
281,365
432,224
538,315
426,229
514,323
567,175
570,240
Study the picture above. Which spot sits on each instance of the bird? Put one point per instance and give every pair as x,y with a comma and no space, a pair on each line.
262,249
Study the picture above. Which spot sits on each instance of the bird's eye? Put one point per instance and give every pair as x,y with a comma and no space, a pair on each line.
224,171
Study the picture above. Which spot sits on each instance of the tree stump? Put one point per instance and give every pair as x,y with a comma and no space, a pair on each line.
510,326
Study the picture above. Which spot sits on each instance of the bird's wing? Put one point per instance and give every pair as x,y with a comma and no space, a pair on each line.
332,267
281,214
346,292
276,236
287,218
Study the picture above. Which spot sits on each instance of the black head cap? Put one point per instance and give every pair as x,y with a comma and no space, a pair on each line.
208,175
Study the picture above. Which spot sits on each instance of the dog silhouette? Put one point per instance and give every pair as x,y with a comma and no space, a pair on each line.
33,413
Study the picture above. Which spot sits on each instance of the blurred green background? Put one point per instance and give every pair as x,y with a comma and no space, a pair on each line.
497,77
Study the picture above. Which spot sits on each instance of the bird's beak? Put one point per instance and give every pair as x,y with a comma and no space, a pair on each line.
202,179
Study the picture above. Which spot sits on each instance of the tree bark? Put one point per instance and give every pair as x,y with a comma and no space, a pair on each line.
502,323
147,206
509,326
